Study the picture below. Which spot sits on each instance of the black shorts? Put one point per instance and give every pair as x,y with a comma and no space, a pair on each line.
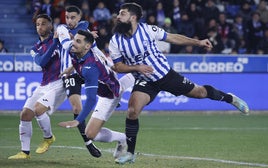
173,83
72,84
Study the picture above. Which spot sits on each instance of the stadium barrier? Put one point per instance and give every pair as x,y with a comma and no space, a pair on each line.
243,75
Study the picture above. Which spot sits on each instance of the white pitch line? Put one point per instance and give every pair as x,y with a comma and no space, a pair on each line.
179,157
188,128
166,156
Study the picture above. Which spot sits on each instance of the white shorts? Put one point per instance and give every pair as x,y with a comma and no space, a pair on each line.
105,107
51,95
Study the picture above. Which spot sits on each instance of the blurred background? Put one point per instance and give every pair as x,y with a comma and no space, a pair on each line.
234,26
238,30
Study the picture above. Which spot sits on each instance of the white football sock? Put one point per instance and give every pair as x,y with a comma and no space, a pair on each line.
44,123
26,131
88,142
107,135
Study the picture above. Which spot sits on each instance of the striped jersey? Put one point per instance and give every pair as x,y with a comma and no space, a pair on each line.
139,49
46,54
65,59
108,84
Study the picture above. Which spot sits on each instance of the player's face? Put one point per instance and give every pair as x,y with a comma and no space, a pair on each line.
72,19
43,27
124,16
80,46
123,24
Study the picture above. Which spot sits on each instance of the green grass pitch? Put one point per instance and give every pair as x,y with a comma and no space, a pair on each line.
175,140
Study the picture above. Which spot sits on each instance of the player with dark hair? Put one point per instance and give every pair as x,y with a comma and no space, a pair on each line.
100,80
133,49
48,96
73,82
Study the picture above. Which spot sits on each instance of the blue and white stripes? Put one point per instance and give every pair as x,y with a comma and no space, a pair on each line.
141,48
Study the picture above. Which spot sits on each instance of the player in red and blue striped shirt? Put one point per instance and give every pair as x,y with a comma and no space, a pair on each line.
100,80
48,96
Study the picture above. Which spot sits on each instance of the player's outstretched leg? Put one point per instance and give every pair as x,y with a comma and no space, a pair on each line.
93,150
240,104
126,158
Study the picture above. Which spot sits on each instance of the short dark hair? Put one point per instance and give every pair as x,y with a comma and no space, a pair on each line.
88,36
133,8
73,8
44,16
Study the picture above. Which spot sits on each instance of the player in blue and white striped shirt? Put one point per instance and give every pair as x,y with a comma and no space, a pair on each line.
133,49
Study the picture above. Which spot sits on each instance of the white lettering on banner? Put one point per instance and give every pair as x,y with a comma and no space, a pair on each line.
24,66
1,91
6,66
166,97
7,96
21,89
209,67
20,66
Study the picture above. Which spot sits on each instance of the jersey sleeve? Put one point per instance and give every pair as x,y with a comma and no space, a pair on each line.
82,25
157,33
90,74
42,59
114,50
64,37
99,54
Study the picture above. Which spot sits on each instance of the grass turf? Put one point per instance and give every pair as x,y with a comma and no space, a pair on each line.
195,140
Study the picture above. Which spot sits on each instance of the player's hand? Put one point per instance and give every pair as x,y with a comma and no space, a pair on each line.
56,35
66,72
206,43
145,69
69,124
94,34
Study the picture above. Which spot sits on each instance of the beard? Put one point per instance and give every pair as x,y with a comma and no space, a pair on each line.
122,28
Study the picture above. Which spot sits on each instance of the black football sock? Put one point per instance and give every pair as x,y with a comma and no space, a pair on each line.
81,127
215,94
132,128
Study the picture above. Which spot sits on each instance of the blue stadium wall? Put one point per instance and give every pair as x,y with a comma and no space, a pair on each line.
243,75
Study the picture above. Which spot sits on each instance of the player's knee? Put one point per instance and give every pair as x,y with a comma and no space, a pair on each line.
198,92
76,109
202,92
90,133
132,113
26,115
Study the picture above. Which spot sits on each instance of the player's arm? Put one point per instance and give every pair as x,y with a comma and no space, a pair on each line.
64,37
183,40
43,59
120,67
91,86
67,72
